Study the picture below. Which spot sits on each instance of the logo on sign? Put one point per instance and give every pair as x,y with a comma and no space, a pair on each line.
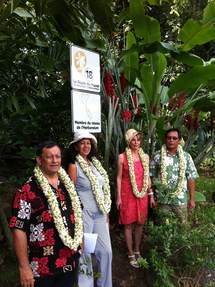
80,61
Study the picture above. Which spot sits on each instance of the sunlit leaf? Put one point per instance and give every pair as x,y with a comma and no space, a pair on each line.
131,59
209,13
197,76
194,33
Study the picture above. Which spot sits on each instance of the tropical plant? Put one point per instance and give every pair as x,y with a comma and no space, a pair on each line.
187,101
37,34
181,253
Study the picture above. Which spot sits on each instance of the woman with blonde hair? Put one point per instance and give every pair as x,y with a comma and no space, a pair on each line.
133,189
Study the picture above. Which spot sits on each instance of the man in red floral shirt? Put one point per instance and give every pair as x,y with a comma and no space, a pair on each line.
46,224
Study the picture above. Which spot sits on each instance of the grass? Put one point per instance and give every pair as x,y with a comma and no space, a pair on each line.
205,185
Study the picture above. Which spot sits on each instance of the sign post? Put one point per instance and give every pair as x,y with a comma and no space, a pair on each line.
86,86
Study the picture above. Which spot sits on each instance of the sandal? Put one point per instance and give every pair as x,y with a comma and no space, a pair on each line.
133,262
138,256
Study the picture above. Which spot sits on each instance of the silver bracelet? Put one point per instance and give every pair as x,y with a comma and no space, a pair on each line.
150,193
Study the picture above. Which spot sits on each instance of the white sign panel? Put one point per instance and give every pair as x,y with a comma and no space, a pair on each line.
86,112
85,69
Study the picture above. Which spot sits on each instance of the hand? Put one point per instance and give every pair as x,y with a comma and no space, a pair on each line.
108,220
152,202
81,251
191,204
119,203
26,277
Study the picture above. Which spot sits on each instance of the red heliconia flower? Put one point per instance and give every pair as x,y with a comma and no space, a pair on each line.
126,115
179,103
108,82
191,120
171,104
135,100
137,111
123,81
154,109
181,100
196,122
188,122
182,96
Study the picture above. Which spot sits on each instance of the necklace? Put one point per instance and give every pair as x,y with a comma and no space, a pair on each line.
104,204
182,165
137,193
72,243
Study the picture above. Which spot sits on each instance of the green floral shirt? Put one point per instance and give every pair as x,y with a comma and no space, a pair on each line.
172,167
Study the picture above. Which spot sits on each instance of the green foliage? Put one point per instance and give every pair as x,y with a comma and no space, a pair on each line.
82,270
29,153
168,190
34,70
26,172
179,250
209,161
10,278
199,197
198,30
149,63
205,185
3,189
103,15
142,262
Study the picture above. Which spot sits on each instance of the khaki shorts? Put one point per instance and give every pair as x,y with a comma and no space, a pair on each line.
179,210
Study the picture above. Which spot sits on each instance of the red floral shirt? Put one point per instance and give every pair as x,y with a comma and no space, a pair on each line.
31,214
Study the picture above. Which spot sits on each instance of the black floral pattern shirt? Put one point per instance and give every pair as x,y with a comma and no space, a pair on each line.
31,214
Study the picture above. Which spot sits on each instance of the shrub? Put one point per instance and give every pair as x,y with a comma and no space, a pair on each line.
181,252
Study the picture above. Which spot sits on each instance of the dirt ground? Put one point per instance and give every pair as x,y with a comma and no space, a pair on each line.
124,275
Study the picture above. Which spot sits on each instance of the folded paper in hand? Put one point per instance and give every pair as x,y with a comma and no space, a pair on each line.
90,242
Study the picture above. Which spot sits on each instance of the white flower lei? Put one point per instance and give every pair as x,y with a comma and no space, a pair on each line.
72,243
142,193
104,205
182,165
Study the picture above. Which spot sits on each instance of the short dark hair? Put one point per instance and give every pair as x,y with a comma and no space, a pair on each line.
46,144
173,130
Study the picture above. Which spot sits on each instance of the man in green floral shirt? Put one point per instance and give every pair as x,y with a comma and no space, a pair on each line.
174,173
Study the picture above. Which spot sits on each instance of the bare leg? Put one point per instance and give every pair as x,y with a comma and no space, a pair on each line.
128,241
128,238
138,232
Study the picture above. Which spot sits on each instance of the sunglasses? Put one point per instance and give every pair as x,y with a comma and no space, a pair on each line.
174,138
